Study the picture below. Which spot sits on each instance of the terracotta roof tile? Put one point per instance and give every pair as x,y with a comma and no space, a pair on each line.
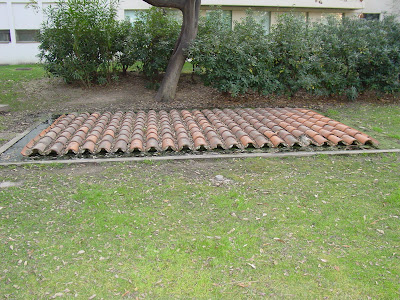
191,130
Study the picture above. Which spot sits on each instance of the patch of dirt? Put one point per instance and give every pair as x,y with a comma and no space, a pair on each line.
51,96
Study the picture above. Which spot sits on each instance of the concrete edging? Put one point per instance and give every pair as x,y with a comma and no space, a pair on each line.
200,157
19,136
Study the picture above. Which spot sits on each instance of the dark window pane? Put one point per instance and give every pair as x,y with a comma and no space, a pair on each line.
5,36
27,35
370,17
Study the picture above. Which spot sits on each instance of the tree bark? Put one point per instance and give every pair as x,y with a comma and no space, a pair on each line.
190,11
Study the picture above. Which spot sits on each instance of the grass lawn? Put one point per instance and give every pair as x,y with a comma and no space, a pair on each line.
11,81
321,227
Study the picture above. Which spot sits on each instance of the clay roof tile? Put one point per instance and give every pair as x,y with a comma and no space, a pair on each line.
190,129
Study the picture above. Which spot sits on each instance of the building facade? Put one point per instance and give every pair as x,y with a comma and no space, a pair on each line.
20,21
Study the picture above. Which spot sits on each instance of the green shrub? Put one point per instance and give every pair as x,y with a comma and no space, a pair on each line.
126,55
339,57
290,44
353,55
233,61
154,35
335,55
78,40
379,67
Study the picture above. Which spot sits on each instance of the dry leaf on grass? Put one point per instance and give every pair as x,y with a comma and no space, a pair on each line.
279,240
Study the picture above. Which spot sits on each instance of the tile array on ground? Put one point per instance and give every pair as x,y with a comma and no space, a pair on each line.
196,130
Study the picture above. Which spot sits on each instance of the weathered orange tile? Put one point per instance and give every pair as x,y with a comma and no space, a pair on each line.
195,129
168,144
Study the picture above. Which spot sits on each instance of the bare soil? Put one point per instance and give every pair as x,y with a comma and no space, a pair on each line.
51,96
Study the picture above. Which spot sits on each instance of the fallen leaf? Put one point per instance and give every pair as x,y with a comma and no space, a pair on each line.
92,297
81,251
380,231
124,294
232,230
58,295
279,240
243,285
251,265
324,260
337,268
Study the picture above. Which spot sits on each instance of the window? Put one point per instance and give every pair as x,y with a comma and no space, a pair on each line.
133,15
370,17
263,17
5,36
27,35
227,15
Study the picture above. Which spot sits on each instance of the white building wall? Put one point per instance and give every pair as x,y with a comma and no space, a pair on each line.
16,15
385,7
342,4
373,6
131,4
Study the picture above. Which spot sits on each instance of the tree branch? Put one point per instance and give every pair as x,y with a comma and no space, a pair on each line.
179,4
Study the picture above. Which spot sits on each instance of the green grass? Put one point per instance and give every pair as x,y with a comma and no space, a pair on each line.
12,81
10,72
187,68
322,227
2,127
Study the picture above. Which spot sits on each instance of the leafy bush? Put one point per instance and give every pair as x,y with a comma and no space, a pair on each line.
290,44
154,35
353,55
126,55
342,57
234,61
78,40
379,68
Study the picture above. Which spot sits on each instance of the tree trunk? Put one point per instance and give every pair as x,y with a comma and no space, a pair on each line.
190,10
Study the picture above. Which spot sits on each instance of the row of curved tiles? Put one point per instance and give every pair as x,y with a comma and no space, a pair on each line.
191,130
